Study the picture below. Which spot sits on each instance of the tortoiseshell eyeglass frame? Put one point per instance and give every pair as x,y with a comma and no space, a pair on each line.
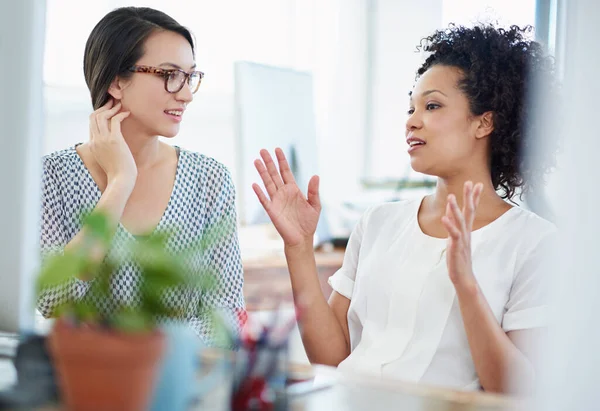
166,73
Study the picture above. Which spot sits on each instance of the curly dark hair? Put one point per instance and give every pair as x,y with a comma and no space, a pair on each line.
501,68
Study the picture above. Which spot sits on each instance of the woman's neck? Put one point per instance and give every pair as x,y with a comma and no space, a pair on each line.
145,151
446,186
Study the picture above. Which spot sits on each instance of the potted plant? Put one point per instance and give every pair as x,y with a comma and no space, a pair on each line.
109,358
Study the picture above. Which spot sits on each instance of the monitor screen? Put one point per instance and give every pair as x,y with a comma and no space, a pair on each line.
274,107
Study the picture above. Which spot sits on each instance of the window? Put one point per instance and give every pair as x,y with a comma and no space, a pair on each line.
288,33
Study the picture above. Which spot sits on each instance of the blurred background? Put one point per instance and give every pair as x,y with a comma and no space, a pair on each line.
352,63
360,55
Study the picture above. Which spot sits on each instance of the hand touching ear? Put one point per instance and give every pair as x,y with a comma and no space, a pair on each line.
108,145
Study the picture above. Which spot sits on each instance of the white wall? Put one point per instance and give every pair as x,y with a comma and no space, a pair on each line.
342,132
399,27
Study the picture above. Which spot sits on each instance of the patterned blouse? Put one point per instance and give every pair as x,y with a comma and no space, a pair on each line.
203,195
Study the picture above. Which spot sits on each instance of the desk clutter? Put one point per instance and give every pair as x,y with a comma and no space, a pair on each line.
260,372
228,381
36,383
190,375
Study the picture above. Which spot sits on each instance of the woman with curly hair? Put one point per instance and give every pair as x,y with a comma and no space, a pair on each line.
447,289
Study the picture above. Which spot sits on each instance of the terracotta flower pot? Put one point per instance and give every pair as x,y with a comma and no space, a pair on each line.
105,370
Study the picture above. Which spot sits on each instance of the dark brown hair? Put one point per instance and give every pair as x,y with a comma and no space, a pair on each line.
117,43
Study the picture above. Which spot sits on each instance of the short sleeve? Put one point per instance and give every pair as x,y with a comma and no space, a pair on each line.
528,300
343,280
53,240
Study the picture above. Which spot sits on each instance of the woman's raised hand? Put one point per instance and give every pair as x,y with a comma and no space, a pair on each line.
294,216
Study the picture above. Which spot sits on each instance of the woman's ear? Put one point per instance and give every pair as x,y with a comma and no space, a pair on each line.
116,88
486,125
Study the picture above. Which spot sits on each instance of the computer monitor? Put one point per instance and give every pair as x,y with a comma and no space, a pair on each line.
274,107
21,120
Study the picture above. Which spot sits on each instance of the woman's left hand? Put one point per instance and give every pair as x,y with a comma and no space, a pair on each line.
459,224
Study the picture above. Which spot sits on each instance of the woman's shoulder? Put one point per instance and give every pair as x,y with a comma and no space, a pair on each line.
206,174
400,209
520,230
62,165
383,216
61,158
528,224
205,164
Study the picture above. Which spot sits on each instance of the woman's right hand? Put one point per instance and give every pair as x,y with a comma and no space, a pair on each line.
108,146
294,216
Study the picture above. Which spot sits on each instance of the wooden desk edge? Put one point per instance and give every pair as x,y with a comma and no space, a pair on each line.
323,259
301,371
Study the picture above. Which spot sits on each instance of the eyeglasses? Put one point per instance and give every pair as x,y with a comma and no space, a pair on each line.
174,78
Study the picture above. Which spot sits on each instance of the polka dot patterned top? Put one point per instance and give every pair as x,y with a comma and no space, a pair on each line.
203,196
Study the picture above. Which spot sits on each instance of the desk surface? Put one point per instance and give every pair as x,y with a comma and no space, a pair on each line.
358,393
327,388
267,279
357,398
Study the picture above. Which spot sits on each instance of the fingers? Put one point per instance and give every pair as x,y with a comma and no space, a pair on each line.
284,167
94,130
264,201
313,193
273,180
103,116
477,194
468,205
109,104
271,168
456,214
265,177
453,231
115,121
93,127
462,220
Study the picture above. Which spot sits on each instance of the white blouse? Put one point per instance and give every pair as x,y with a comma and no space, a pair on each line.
404,319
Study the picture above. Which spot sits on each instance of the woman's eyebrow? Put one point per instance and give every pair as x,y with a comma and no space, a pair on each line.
177,66
426,93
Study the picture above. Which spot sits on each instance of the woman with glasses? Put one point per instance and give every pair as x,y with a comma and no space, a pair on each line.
446,289
140,68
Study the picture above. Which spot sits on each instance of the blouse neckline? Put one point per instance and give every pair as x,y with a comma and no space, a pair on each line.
475,233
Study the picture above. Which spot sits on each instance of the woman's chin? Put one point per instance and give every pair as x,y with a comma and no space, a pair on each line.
418,166
421,168
169,132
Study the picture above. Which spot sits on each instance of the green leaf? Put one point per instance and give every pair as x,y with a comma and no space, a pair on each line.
85,312
161,273
59,269
222,336
131,320
64,309
100,288
217,232
98,226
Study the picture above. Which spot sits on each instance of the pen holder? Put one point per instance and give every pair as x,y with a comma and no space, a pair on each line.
260,375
